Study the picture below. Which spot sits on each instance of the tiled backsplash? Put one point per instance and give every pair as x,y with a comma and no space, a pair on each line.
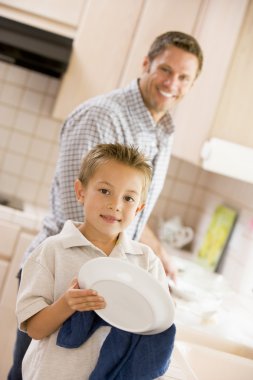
193,194
29,139
28,134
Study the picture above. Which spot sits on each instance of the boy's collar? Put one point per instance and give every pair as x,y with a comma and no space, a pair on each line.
72,237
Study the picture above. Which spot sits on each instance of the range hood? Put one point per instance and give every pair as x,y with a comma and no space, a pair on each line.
227,158
34,48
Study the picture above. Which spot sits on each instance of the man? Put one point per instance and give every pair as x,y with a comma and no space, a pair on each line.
138,114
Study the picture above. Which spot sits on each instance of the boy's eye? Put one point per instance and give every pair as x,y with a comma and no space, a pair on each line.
104,191
129,199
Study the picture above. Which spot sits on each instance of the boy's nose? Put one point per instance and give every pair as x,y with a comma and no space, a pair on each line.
113,205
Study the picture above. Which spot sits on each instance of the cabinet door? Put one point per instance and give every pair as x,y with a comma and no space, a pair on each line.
9,233
100,51
65,11
56,16
111,55
234,117
4,264
10,288
8,328
158,17
8,319
217,29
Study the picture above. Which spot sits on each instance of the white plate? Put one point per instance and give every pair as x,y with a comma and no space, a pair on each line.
184,290
135,301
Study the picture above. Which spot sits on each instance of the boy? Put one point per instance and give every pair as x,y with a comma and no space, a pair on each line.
112,188
140,114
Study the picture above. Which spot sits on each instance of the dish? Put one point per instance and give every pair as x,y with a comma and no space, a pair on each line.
135,301
183,290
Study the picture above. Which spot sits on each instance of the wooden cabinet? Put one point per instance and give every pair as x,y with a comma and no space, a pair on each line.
234,117
156,18
14,242
9,236
108,53
100,51
60,16
112,40
113,37
110,56
217,28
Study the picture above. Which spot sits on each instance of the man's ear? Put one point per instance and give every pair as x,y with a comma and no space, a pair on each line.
79,191
141,207
146,65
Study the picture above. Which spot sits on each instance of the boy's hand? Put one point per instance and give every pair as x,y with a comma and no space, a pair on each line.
83,299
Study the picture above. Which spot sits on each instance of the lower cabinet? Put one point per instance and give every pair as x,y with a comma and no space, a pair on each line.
14,242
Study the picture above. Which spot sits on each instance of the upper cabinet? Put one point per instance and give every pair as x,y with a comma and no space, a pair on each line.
156,18
234,117
114,36
99,52
217,28
59,16
112,40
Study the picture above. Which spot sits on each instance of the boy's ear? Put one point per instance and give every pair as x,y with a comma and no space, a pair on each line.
141,207
79,190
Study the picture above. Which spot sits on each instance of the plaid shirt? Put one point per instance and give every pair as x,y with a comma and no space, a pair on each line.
119,116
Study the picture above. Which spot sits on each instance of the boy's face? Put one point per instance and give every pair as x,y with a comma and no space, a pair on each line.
111,199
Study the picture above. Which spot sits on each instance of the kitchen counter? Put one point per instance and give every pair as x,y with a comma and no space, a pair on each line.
209,312
228,328
30,218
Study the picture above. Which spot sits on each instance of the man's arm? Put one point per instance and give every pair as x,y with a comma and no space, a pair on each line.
148,237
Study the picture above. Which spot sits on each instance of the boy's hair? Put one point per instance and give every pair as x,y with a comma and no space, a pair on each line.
179,39
125,154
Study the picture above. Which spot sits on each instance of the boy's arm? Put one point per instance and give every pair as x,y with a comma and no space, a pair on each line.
49,319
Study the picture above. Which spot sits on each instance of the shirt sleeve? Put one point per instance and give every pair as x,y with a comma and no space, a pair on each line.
36,290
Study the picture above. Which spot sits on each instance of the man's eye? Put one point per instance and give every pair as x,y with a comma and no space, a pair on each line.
166,70
184,78
104,191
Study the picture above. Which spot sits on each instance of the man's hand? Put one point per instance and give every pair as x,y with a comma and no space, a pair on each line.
148,237
168,264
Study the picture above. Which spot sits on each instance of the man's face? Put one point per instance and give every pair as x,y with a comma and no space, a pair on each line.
166,79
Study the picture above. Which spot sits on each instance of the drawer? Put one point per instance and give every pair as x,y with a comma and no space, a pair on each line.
10,287
9,234
3,271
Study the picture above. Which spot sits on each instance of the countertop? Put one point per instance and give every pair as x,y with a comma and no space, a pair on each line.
228,328
30,218
212,313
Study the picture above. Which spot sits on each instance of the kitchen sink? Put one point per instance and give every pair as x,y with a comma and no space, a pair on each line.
11,201
209,364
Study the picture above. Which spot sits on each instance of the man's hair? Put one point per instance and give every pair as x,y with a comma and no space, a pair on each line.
125,154
179,39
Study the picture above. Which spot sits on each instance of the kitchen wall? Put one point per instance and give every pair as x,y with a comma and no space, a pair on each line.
29,139
193,194
28,135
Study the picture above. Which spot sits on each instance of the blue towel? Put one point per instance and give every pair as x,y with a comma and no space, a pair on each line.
123,355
